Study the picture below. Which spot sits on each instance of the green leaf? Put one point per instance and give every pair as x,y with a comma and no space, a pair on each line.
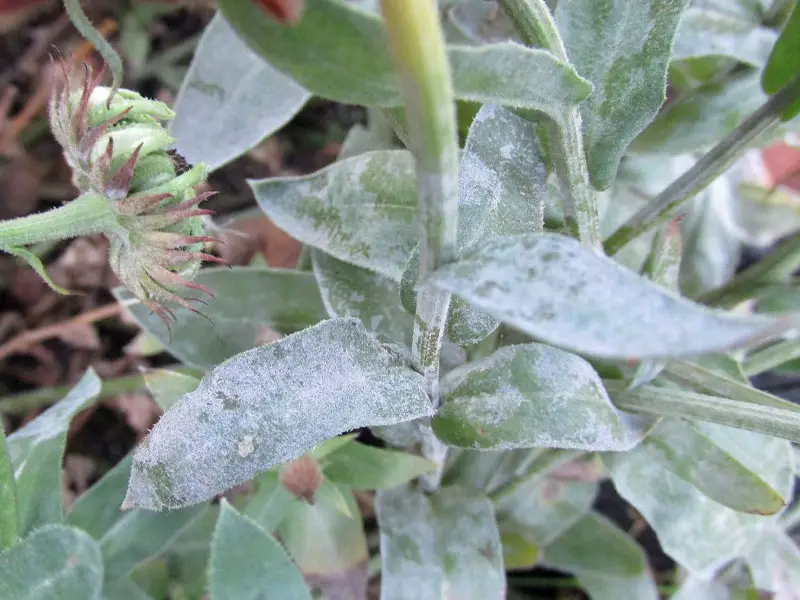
270,405
230,99
608,564
766,214
443,543
350,291
518,552
140,535
339,52
369,468
531,396
672,506
36,451
247,562
723,463
784,62
271,503
328,545
53,563
701,117
480,21
709,32
250,305
543,508
125,589
361,210
623,48
168,386
97,509
9,519
553,288
35,263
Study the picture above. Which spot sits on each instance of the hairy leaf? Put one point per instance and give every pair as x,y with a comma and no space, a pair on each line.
247,562
368,468
52,563
673,506
339,52
361,210
230,100
444,543
555,289
36,451
710,32
251,306
608,563
775,563
623,48
270,405
97,509
701,117
167,386
531,396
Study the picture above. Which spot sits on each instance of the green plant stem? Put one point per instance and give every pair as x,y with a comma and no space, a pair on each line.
87,30
86,215
710,166
771,357
9,520
18,404
534,23
417,44
542,463
666,402
776,267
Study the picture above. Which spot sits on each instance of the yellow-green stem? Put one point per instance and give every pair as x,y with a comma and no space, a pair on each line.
417,44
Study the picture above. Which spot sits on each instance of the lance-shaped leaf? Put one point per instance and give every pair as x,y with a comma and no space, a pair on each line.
709,32
701,117
361,210
623,48
233,573
338,51
368,468
784,62
53,562
97,509
531,396
327,542
608,563
168,386
553,288
270,405
230,99
439,545
672,506
252,306
36,452
715,460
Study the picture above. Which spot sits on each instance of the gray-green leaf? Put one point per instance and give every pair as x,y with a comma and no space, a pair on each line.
339,51
608,563
36,452
531,396
168,386
555,289
247,563
270,405
368,468
230,100
623,48
53,563
251,305
446,543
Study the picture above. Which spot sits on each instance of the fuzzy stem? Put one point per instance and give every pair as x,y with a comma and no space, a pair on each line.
88,31
9,521
417,44
86,215
712,164
535,25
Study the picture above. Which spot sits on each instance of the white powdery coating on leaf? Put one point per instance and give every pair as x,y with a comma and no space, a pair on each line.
563,293
623,48
531,396
361,210
285,398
